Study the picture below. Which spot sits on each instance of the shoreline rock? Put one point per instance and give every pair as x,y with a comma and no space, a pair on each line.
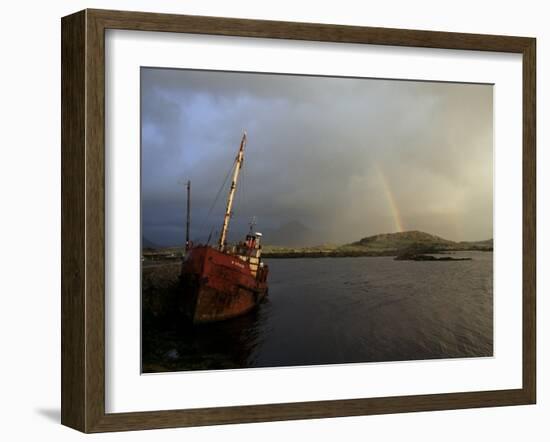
408,256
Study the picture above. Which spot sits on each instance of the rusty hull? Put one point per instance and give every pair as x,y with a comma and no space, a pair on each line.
217,286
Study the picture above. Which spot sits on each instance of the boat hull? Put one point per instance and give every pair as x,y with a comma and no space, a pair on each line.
217,286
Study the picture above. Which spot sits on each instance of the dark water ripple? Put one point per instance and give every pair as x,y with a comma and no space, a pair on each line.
344,310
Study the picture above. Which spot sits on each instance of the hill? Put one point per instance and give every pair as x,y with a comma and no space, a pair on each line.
404,240
385,244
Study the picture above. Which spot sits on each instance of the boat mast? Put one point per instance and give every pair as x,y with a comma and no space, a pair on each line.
188,215
233,188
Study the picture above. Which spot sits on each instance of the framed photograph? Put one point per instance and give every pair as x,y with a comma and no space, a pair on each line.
269,220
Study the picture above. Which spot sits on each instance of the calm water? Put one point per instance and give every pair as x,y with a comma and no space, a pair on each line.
342,310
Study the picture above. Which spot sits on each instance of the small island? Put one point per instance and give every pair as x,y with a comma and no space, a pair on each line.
415,256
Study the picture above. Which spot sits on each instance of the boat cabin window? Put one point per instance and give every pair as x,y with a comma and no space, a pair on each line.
253,240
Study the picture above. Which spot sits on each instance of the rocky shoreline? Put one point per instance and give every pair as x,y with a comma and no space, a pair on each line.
424,257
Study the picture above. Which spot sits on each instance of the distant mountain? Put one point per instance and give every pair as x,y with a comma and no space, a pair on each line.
146,244
291,234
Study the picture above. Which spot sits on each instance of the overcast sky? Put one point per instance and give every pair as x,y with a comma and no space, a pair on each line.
334,159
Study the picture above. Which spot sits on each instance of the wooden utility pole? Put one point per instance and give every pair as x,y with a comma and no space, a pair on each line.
188,215
232,189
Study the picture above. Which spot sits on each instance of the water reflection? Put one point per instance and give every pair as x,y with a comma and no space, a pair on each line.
228,344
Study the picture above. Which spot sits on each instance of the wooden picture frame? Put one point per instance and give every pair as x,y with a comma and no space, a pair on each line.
83,220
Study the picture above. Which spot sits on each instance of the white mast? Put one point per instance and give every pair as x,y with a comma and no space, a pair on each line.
233,188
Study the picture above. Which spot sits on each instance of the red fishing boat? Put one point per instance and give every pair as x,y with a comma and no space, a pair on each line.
223,281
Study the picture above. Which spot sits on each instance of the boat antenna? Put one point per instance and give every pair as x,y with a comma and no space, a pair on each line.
238,164
252,224
188,215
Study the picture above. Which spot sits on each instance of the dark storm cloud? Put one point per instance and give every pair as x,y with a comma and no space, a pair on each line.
345,158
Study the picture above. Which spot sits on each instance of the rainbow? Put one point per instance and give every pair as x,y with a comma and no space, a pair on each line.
390,197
